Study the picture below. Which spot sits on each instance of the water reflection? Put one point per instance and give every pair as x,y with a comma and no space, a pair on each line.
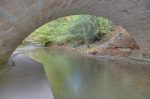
73,76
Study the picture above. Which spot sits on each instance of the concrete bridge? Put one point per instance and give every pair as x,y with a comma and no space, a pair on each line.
18,18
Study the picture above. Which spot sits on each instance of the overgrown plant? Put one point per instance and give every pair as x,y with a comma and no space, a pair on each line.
77,30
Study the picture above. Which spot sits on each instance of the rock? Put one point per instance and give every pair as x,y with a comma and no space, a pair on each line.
122,39
121,43
124,49
92,51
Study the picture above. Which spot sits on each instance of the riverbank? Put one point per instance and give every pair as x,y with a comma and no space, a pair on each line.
83,50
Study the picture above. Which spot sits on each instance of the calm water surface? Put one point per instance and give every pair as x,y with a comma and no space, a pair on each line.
73,76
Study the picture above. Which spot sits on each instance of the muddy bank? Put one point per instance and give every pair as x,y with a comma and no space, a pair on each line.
83,51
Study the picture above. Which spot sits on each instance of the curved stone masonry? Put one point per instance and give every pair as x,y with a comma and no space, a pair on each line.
18,18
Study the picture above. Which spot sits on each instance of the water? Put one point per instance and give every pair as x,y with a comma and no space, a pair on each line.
73,76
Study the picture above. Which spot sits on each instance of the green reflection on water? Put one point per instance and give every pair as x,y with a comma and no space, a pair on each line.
73,76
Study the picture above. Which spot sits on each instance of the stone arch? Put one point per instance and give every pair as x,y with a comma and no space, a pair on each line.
18,18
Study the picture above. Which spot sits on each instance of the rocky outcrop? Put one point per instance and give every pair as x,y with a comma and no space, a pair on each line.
121,43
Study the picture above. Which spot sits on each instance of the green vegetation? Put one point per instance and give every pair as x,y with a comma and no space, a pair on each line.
74,30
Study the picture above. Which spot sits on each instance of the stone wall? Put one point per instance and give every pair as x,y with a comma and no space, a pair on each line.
18,18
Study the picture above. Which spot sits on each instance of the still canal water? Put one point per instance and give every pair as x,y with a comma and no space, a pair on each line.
73,76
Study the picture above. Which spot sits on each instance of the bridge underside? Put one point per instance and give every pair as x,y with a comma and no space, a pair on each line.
18,18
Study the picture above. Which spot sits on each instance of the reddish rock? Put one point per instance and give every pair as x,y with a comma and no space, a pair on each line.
121,43
122,39
92,51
